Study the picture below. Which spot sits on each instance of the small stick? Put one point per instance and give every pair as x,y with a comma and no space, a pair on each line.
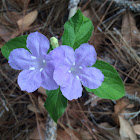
73,7
51,128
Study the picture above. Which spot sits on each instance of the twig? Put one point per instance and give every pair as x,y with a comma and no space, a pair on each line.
73,7
51,128
127,4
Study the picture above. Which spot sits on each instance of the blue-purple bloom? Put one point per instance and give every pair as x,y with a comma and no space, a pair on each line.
37,65
61,67
74,70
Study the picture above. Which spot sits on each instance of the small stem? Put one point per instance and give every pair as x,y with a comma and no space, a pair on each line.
51,128
73,7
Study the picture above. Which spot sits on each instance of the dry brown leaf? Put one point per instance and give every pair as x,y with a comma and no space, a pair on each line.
42,91
136,129
35,134
126,130
129,31
27,20
121,104
119,108
130,106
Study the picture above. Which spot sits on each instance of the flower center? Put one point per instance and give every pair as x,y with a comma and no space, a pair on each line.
75,70
38,64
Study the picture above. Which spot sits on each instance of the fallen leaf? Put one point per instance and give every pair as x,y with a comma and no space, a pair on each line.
119,108
137,129
130,106
27,20
126,130
42,91
129,30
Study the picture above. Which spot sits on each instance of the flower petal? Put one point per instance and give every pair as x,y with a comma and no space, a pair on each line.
56,56
29,80
69,54
47,76
38,44
73,90
20,59
91,77
85,55
62,76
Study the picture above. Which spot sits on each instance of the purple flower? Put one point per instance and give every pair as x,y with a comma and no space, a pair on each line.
37,65
74,70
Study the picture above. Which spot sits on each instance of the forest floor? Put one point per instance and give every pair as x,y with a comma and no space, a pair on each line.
116,38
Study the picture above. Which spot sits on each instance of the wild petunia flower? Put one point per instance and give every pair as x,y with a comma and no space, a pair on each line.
75,70
37,65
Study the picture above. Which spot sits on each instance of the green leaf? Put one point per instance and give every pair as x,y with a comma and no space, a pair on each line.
112,87
55,104
17,42
77,30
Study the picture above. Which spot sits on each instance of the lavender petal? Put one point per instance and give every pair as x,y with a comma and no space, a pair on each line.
62,76
20,59
91,77
47,77
74,90
56,57
69,54
29,80
85,55
38,44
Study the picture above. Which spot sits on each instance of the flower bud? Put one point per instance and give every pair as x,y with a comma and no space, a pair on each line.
54,42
